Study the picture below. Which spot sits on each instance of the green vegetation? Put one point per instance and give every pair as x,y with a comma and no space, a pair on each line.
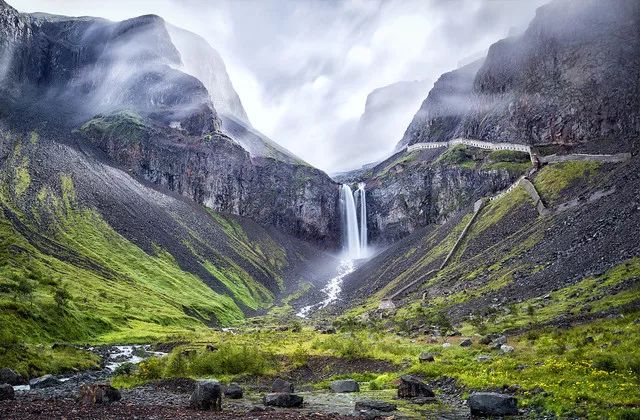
459,155
553,179
243,287
126,127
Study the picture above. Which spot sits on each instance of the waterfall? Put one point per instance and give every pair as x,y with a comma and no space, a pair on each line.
351,242
363,220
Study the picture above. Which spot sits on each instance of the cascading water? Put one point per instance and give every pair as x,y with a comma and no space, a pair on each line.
351,241
363,220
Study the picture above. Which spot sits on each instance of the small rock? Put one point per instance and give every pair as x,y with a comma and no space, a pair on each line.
483,358
495,344
588,340
280,385
11,377
207,396
260,409
282,399
492,404
506,348
98,394
426,357
45,381
466,342
411,387
376,405
233,391
211,347
6,392
423,400
446,345
487,339
455,333
345,385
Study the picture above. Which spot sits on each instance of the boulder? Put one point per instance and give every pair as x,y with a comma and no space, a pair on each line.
280,385
492,404
495,344
345,385
487,339
426,357
11,377
282,399
377,405
466,342
412,387
207,396
506,349
6,392
45,381
234,391
102,393
483,358
446,345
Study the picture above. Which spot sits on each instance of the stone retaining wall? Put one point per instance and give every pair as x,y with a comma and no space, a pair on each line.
618,157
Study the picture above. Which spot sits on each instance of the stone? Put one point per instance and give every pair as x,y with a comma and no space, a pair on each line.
280,385
211,347
345,385
101,393
207,396
446,345
423,400
45,381
506,348
282,399
483,358
11,377
6,392
487,339
492,404
234,391
426,357
495,344
466,342
412,387
376,405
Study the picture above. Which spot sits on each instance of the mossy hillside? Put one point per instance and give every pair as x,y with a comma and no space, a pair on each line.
553,179
117,291
125,126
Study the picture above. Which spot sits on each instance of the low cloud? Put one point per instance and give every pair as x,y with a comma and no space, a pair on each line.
303,69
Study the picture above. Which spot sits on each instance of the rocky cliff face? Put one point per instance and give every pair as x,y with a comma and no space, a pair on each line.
122,85
571,79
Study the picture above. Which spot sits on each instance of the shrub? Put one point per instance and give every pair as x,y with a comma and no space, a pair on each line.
126,368
231,359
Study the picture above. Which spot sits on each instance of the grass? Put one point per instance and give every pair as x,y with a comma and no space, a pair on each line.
553,179
125,127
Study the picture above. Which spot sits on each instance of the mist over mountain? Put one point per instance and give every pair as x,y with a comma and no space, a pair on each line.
482,260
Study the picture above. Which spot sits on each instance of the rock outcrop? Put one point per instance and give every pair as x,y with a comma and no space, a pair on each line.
570,79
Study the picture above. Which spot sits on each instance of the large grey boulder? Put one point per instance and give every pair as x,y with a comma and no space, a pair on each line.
345,385
282,399
11,377
46,381
6,392
375,405
98,394
492,404
280,385
207,396
233,391
412,387
426,357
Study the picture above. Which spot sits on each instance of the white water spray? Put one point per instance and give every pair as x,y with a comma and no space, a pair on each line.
363,220
351,242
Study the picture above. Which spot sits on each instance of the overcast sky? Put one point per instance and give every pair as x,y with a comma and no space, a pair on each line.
303,68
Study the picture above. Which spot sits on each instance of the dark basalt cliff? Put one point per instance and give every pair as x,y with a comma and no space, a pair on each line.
120,85
573,78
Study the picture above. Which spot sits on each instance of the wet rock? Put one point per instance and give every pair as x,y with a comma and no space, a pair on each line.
412,387
282,399
345,385
426,357
234,391
45,381
280,385
492,404
506,348
376,405
102,393
6,392
483,358
207,396
11,377
466,342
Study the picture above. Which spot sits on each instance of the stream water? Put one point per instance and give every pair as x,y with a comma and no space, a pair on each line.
332,289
